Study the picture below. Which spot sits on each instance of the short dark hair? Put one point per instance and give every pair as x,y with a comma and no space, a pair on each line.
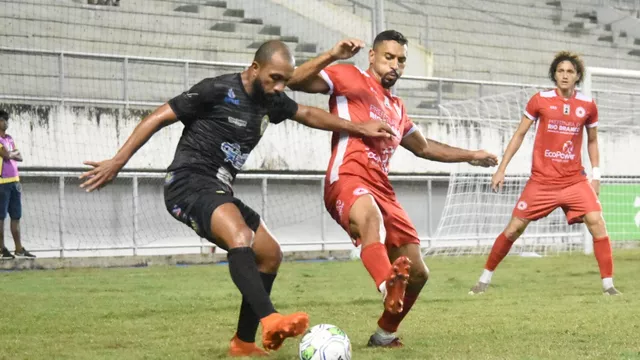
574,58
4,115
390,35
266,51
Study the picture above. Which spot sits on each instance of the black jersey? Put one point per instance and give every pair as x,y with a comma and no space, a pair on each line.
222,126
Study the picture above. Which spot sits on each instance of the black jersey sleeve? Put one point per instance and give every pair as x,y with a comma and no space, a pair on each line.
188,105
281,108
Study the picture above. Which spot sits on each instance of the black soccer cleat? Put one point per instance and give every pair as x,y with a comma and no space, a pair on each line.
5,254
24,254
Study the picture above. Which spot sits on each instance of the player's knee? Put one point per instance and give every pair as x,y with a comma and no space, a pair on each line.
419,275
595,223
270,260
242,238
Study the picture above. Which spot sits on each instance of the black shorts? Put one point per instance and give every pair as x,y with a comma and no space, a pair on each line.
192,198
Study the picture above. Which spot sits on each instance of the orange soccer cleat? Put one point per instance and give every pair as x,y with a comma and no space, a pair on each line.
396,284
238,348
277,327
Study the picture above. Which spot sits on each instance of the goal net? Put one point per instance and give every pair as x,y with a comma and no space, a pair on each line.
79,75
474,215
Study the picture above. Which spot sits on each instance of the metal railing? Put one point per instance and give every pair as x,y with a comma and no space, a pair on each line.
61,176
125,100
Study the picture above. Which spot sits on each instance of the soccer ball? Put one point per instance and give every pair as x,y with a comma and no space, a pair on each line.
325,342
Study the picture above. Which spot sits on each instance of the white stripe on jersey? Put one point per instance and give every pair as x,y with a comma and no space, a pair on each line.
343,112
327,79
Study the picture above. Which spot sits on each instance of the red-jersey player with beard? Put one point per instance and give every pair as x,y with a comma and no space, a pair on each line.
558,178
358,193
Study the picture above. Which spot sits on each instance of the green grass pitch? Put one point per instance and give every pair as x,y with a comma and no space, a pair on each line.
542,308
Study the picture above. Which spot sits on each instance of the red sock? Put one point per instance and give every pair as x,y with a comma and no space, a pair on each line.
390,322
500,249
602,250
376,260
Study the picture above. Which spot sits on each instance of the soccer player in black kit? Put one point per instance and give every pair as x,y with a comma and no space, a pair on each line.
224,118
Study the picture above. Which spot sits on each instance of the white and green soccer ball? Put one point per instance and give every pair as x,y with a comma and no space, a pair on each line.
325,342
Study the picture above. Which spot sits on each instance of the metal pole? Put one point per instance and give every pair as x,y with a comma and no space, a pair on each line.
125,82
379,17
61,214
264,199
61,77
134,218
323,219
587,89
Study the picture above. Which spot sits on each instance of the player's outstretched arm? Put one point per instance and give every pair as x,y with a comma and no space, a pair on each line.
105,171
320,119
306,77
433,150
594,157
514,144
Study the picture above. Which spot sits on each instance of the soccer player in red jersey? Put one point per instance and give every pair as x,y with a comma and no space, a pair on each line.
558,178
358,193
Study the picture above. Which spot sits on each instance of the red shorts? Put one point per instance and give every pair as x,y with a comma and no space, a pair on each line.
538,200
340,196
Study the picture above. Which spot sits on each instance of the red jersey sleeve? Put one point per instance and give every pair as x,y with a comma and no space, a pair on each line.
409,127
592,121
339,77
532,111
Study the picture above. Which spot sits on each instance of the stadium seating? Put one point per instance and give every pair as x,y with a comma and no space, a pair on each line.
500,41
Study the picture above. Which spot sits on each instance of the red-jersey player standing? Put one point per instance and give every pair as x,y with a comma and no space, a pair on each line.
358,193
557,176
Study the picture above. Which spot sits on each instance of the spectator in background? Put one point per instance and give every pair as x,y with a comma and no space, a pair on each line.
10,189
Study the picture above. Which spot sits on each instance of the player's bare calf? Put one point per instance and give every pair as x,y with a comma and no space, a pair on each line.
277,327
396,284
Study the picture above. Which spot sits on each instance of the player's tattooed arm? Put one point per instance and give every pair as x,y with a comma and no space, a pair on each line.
436,151
320,119
105,171
306,77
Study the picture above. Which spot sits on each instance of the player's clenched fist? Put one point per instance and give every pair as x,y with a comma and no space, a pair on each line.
346,48
103,172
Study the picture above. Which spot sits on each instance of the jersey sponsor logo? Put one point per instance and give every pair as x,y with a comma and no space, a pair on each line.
381,160
564,127
580,112
566,109
234,155
231,98
237,122
224,176
522,205
190,95
376,113
565,155
553,107
263,124
340,207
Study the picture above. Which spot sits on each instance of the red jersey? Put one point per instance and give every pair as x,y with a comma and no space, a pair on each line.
357,96
557,151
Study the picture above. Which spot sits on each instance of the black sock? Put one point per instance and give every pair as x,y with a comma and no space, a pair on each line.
248,321
244,273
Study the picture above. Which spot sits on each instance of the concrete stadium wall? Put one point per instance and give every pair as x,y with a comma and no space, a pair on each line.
65,136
